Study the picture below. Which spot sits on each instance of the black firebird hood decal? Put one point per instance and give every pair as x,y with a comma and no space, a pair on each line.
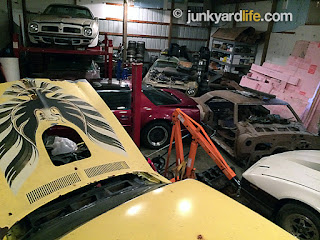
32,102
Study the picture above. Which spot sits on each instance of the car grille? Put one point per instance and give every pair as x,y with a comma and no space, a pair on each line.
50,29
71,30
62,41
55,29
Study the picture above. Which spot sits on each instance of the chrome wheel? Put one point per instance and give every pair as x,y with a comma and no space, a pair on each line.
300,220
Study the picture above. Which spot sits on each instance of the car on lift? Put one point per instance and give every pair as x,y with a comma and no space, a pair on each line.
95,183
156,113
65,24
285,188
250,125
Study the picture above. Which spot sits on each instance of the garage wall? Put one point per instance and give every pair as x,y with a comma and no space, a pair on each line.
262,7
281,44
111,22
183,33
149,25
39,7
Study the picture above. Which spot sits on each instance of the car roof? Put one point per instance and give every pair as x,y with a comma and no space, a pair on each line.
114,85
243,97
68,5
117,85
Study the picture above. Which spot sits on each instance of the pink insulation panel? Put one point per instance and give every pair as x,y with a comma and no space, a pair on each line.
296,82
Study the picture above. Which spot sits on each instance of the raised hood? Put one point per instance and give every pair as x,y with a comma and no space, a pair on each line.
28,177
183,210
300,167
63,19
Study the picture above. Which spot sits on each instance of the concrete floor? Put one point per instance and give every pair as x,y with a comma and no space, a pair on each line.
202,161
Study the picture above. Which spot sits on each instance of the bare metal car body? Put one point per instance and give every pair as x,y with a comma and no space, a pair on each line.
164,74
249,126
63,24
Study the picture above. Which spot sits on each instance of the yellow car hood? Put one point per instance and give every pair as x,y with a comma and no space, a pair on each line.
182,210
28,178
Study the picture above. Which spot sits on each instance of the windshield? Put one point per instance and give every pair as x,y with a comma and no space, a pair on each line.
68,212
223,113
75,12
159,97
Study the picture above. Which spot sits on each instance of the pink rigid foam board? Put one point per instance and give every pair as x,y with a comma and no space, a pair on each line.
296,82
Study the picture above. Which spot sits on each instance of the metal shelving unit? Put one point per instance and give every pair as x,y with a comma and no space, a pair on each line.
232,53
229,64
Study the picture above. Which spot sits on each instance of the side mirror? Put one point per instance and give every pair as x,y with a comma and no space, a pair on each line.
96,18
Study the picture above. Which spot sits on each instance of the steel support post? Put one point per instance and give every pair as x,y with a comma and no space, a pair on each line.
136,101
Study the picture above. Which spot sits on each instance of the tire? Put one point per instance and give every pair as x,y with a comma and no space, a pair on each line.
156,134
300,221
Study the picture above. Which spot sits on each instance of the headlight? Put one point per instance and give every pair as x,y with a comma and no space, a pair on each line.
33,27
87,31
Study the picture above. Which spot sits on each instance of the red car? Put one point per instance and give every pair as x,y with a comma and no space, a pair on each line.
156,112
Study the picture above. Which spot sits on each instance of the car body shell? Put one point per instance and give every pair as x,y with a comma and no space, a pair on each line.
31,181
64,30
254,140
293,175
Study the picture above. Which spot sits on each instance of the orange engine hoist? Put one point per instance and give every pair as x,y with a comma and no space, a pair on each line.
185,169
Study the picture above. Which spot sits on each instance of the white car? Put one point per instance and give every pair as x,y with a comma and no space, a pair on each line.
63,24
287,187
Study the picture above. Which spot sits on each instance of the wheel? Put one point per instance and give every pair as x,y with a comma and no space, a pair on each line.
299,220
156,134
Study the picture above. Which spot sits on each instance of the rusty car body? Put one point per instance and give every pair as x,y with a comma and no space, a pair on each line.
249,125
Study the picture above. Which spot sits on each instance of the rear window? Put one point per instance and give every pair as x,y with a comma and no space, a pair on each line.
158,97
117,100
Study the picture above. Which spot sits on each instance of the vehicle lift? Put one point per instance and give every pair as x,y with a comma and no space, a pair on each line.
183,169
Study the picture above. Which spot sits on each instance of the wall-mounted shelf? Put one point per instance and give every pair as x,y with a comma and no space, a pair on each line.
237,53
230,65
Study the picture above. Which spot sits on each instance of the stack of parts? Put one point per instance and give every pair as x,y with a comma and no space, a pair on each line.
297,82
